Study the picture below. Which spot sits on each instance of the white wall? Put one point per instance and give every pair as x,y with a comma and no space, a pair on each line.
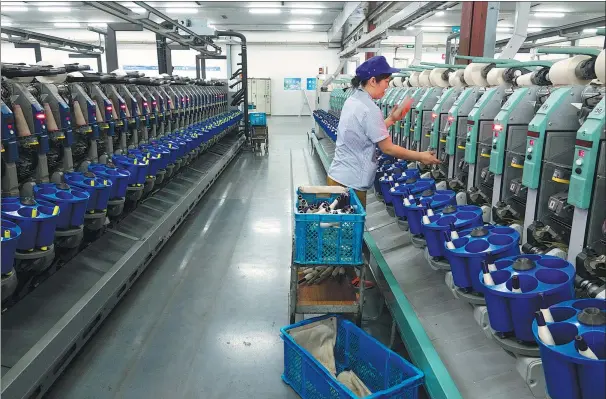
291,55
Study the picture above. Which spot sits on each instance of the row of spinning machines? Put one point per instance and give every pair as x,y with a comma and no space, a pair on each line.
520,192
80,150
522,140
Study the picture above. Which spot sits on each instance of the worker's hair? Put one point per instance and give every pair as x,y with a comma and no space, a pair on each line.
357,82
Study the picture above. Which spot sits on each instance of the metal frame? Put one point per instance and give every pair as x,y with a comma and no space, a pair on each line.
23,37
34,373
490,34
35,46
449,53
410,14
195,42
111,45
520,31
558,31
341,19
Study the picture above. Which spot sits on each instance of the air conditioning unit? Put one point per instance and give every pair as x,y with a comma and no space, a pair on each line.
198,25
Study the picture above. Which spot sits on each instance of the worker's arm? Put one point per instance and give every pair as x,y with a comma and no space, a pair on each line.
389,148
399,112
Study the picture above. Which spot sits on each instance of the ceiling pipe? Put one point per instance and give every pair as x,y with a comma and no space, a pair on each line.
244,67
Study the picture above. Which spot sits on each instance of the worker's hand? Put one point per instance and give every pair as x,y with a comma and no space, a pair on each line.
428,158
401,110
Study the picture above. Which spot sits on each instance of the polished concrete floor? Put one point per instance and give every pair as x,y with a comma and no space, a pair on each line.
203,321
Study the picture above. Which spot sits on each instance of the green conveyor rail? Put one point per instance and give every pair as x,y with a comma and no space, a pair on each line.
416,68
438,381
529,64
569,50
483,59
437,65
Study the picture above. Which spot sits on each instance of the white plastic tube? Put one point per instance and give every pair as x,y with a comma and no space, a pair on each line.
544,333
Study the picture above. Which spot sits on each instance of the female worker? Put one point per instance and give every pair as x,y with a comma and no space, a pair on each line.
361,128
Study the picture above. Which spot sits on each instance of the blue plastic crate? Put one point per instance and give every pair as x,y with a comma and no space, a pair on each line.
383,371
257,118
335,245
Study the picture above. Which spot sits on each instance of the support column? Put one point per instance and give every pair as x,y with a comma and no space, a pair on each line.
111,49
35,46
476,39
369,55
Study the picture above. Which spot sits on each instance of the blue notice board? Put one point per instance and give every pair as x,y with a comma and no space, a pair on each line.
311,83
292,83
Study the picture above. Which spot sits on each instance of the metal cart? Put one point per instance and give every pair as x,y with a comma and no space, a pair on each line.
329,296
259,137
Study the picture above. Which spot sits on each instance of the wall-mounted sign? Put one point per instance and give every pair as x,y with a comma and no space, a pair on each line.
455,29
311,83
292,83
410,46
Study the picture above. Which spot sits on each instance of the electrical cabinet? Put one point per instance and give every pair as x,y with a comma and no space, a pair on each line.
259,94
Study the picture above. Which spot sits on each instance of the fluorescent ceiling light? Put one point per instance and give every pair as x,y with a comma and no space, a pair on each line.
439,14
67,24
98,24
591,30
305,5
549,14
138,10
300,22
532,30
211,26
6,23
265,11
181,10
301,11
503,29
255,4
14,9
301,27
54,9
411,28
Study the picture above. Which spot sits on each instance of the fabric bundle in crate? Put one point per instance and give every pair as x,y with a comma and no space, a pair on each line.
334,239
330,357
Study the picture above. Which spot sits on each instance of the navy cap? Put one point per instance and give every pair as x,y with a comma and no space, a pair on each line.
375,66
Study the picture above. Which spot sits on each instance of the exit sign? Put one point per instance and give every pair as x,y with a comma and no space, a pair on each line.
410,46
455,29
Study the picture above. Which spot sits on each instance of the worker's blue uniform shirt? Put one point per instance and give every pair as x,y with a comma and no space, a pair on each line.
361,126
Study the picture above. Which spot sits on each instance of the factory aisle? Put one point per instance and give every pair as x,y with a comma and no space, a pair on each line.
203,320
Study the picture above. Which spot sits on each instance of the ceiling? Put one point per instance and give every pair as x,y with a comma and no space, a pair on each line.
285,16
240,16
